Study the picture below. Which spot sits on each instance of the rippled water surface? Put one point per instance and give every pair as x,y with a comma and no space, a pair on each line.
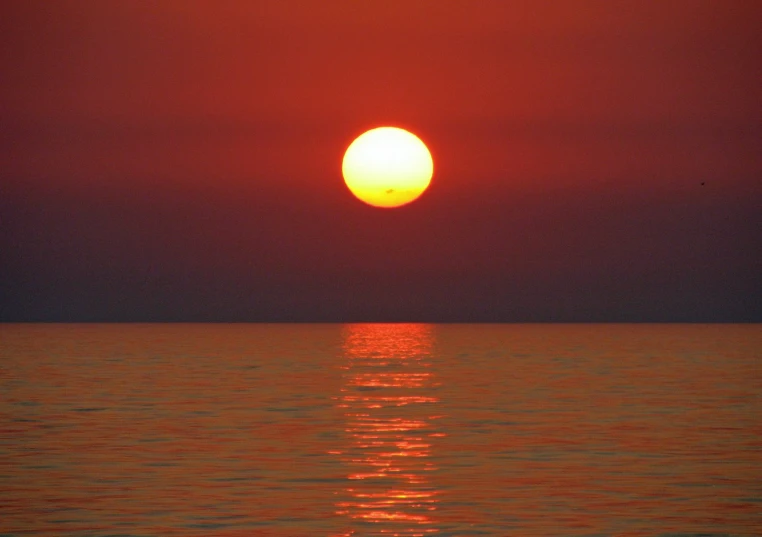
381,430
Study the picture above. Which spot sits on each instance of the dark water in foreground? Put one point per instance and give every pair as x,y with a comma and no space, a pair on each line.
371,430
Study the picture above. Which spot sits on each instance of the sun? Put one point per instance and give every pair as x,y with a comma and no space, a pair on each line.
387,167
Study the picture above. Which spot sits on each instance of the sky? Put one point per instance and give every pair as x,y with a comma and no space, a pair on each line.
180,160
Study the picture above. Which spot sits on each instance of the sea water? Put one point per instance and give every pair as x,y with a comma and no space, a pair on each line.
380,430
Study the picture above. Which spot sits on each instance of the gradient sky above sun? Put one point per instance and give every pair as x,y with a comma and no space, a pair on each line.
181,160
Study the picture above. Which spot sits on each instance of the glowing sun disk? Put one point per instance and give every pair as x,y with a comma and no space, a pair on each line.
387,167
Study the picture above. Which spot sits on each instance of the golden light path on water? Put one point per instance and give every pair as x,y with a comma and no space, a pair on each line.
390,412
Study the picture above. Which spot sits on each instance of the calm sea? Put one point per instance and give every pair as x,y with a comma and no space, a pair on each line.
381,430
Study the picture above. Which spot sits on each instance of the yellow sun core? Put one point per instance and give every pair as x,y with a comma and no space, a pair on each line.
387,167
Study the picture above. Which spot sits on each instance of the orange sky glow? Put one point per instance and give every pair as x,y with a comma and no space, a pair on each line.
181,160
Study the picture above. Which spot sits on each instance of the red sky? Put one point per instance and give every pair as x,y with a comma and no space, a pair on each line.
180,160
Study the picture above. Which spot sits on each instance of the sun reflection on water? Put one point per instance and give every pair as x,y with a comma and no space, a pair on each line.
388,400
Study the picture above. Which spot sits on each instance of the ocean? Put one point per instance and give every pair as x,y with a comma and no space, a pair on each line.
338,430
